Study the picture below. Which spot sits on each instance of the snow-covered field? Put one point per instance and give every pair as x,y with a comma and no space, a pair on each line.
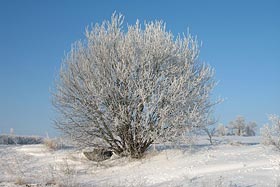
233,161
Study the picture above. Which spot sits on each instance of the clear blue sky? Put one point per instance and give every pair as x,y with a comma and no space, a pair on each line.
241,40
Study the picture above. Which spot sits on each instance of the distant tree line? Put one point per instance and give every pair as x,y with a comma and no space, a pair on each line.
237,127
7,139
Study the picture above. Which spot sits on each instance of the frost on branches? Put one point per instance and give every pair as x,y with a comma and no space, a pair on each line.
125,90
271,133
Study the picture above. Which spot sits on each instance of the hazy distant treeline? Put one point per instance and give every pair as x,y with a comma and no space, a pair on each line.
15,139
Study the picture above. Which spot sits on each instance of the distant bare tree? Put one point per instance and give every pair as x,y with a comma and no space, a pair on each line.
125,90
271,132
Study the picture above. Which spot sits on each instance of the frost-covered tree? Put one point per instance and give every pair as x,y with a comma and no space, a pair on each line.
237,126
250,129
123,89
271,132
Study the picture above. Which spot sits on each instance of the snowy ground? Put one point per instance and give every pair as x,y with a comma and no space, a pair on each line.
234,161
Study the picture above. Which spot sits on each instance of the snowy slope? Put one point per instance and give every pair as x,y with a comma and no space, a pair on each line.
235,161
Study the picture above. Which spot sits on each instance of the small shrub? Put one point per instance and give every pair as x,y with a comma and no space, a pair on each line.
20,181
51,144
55,144
68,175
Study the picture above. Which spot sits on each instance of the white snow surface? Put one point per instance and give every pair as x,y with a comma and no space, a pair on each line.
232,161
